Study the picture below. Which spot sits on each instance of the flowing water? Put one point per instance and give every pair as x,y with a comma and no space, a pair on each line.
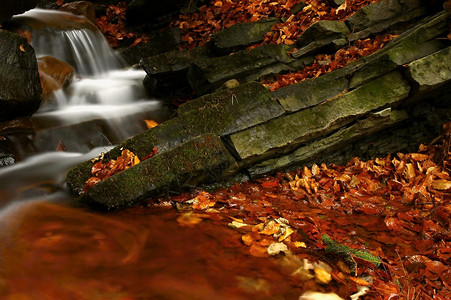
52,249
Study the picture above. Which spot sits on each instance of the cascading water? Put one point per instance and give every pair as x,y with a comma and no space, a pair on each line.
105,103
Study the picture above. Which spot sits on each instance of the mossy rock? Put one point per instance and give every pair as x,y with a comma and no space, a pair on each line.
164,137
241,35
317,149
432,71
246,65
287,132
230,110
199,160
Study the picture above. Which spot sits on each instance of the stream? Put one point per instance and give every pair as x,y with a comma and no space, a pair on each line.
51,248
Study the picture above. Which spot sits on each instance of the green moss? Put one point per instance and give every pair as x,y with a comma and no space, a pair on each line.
349,254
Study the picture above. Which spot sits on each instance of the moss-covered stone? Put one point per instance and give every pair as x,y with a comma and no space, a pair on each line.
315,150
241,35
432,71
164,137
229,111
286,132
246,65
313,91
198,160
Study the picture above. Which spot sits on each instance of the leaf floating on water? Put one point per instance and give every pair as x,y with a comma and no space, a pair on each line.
151,123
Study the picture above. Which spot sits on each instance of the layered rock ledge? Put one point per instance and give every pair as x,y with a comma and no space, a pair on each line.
389,101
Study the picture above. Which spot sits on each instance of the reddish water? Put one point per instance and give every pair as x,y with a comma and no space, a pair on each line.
53,251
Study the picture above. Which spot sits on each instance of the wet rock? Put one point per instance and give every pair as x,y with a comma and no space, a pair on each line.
81,8
321,34
73,138
164,41
201,159
230,110
20,87
313,151
167,72
288,131
11,7
206,75
240,36
54,74
432,71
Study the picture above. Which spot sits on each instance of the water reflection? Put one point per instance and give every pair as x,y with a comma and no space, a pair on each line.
53,251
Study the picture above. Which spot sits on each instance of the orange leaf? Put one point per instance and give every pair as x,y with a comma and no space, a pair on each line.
151,123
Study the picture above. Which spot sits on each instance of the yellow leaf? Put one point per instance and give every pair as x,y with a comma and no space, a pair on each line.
322,275
22,48
151,123
441,184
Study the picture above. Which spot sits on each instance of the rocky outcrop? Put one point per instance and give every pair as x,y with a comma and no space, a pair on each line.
10,8
20,87
389,101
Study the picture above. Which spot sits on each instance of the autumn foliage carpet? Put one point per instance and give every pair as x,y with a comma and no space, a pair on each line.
388,219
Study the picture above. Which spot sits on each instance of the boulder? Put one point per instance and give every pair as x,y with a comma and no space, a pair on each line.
201,159
11,7
81,8
284,133
54,74
20,87
240,36
230,110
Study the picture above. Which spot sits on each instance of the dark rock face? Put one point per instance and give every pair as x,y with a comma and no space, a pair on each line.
11,7
81,8
20,87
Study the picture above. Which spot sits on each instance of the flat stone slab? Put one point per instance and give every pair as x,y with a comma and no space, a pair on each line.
201,159
288,131
246,65
432,71
230,110
313,151
241,35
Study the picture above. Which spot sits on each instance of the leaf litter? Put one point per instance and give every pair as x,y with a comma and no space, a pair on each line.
376,229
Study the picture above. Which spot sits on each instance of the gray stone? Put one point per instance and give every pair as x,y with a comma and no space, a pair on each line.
313,151
321,34
246,65
229,111
201,159
241,35
384,12
432,71
286,132
312,91
20,87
